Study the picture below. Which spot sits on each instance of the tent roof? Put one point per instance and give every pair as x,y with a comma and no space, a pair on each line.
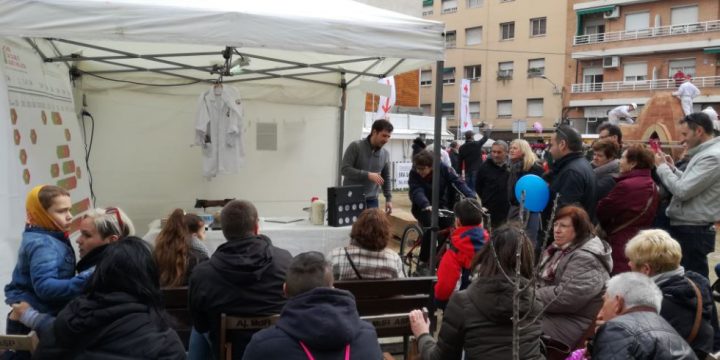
310,39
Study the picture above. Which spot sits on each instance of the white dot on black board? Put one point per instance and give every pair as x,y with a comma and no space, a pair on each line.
354,218
347,220
361,206
354,207
349,193
347,207
340,208
340,221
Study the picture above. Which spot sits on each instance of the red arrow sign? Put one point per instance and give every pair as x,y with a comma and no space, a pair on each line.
465,88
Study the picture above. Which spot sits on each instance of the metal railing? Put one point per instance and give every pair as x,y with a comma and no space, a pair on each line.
669,30
660,84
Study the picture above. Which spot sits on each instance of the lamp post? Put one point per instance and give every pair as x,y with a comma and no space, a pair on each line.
557,90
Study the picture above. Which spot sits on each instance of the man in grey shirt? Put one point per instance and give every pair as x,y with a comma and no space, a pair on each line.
366,163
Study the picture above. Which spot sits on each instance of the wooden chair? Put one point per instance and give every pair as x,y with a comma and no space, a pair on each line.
230,324
176,305
386,303
27,342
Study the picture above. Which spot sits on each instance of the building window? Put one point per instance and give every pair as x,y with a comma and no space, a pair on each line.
449,6
475,110
504,108
535,108
687,66
507,31
538,26
448,76
473,36
536,67
426,109
684,15
635,72
448,110
425,77
450,39
637,21
592,79
474,3
505,70
473,72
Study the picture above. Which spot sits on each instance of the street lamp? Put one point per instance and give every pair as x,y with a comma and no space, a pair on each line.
556,90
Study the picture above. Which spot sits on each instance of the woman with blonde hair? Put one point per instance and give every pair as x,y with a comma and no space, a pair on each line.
687,303
174,255
98,228
523,162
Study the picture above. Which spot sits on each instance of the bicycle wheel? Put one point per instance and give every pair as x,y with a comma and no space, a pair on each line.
410,248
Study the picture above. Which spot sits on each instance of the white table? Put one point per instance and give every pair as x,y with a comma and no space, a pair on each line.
296,237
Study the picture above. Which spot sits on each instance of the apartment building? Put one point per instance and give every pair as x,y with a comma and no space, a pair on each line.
513,51
623,51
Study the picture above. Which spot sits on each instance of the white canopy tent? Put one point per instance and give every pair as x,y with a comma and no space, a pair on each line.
142,65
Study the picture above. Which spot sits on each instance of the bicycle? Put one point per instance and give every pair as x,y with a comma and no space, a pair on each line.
411,241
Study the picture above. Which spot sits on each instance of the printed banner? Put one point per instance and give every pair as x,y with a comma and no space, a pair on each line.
386,103
465,120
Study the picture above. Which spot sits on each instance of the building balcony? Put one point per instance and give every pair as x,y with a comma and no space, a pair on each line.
662,31
647,85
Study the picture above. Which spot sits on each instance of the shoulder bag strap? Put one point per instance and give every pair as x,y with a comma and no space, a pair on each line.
347,255
698,313
647,206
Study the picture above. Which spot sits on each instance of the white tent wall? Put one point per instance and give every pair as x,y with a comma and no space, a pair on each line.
142,160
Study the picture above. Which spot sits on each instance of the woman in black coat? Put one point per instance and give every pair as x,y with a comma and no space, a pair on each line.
478,320
119,317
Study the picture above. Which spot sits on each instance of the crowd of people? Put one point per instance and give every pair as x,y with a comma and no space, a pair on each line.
614,268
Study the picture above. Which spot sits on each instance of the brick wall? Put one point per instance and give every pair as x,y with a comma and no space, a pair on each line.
407,91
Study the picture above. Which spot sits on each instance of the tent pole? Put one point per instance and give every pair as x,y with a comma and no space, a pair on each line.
436,163
341,136
366,70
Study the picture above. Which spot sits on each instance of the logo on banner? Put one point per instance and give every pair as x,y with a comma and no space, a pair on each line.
12,59
465,120
386,103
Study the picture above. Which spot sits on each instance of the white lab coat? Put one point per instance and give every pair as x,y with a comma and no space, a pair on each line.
686,92
219,115
619,113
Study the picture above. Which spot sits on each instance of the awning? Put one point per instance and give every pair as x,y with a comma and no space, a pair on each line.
580,13
712,50
595,10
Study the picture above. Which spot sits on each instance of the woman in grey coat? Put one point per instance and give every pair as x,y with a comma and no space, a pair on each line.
573,272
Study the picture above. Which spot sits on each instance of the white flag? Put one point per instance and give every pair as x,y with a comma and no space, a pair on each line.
386,103
465,120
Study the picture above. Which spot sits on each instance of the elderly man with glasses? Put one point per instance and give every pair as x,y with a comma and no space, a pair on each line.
695,204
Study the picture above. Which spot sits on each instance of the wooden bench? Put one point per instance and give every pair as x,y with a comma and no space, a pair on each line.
27,342
230,324
386,303
176,305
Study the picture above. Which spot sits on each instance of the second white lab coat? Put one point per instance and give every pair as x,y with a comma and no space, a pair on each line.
218,129
619,113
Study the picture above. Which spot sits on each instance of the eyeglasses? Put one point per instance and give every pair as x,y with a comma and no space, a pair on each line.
115,211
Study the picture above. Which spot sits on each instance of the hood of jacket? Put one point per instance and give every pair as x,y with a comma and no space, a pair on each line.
90,313
600,249
243,260
492,296
322,318
612,168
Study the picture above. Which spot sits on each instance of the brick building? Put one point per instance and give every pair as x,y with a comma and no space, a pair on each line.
622,51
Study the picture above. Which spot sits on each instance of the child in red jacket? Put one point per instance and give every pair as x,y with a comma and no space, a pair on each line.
466,240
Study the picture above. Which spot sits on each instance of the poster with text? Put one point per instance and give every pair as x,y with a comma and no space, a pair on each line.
47,143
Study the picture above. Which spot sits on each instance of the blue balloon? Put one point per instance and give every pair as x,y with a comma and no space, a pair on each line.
537,192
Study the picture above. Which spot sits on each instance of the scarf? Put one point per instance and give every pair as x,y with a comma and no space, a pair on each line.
36,214
554,254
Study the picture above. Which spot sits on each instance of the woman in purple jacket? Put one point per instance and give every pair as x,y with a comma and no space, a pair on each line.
631,204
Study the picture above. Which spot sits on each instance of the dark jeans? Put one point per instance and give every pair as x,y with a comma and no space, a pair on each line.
424,218
371,203
696,242
15,328
470,178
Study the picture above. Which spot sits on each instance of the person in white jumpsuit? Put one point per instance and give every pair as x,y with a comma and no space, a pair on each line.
622,113
687,92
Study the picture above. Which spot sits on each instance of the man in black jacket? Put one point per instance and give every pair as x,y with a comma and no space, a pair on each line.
470,155
492,183
571,176
244,277
318,322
